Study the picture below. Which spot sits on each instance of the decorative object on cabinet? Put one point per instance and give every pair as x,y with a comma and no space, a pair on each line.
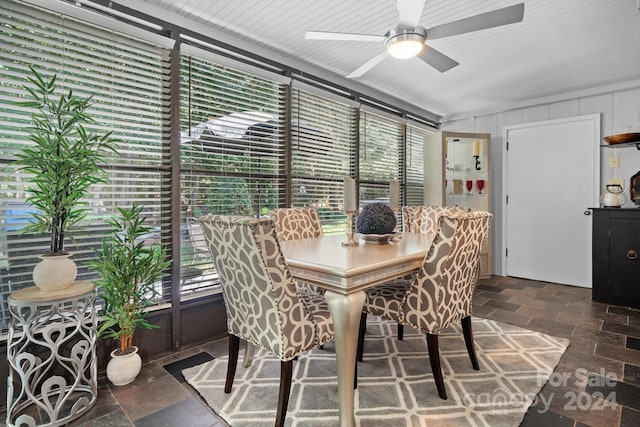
476,155
612,196
63,164
460,160
480,185
634,188
469,185
623,138
457,186
615,250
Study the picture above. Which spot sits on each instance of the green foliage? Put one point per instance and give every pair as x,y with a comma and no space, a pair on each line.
376,218
128,270
65,161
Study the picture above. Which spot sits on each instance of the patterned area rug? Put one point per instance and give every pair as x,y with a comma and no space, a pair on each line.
395,385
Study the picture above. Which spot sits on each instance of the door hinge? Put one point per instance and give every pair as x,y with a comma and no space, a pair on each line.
506,251
507,199
507,145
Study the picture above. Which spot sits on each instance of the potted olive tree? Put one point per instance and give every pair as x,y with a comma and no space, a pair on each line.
65,160
128,270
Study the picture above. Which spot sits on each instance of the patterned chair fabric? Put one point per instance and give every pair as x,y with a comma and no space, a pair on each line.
442,290
263,304
411,216
296,223
429,216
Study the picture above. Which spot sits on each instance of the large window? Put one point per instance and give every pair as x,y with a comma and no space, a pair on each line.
249,140
232,153
414,164
322,151
125,77
381,142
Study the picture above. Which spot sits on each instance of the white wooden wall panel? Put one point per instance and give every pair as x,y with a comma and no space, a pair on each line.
560,110
535,114
616,108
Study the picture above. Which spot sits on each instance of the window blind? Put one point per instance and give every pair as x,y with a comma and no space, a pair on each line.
125,75
323,134
414,164
381,142
232,153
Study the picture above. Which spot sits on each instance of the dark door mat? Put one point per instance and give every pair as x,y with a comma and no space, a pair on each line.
175,368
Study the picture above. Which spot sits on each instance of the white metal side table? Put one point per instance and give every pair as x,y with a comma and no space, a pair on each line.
51,355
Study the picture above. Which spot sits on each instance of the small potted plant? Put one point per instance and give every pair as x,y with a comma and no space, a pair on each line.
376,223
128,270
65,161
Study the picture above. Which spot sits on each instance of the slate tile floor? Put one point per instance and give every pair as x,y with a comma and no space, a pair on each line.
596,383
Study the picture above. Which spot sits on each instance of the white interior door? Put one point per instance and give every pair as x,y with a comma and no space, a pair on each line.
551,178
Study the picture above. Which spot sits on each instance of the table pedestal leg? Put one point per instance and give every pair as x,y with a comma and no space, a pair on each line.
345,310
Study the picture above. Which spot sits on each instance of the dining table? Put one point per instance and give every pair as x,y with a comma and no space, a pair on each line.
344,272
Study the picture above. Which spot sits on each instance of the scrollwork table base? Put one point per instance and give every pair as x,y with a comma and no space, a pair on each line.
51,355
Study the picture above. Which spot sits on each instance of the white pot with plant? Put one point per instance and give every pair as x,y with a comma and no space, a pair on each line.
128,272
64,162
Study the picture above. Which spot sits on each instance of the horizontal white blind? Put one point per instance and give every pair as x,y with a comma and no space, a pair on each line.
414,164
126,77
323,134
381,141
233,153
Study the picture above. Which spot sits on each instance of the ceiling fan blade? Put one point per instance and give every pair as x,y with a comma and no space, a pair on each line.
368,65
326,35
496,18
437,59
409,12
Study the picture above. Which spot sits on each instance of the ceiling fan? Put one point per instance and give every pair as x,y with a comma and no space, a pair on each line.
408,39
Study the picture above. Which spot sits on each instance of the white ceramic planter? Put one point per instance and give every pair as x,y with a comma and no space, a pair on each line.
123,369
54,272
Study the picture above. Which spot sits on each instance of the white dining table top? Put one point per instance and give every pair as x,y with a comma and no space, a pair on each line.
325,262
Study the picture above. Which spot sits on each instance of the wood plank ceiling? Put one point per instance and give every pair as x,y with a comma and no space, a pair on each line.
560,48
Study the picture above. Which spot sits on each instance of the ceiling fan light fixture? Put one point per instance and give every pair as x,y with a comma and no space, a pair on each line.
402,43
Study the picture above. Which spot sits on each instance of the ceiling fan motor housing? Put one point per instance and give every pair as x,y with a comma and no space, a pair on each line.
405,42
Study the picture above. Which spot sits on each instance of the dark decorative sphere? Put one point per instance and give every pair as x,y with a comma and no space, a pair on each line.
376,218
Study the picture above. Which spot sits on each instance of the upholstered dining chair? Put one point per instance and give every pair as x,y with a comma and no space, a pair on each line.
441,292
411,216
263,305
429,216
424,219
294,224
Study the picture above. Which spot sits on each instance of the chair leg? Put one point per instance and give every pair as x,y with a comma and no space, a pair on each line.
249,350
234,346
361,332
434,358
286,370
468,339
400,331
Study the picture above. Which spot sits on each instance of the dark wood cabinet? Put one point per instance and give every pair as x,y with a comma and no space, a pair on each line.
616,256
